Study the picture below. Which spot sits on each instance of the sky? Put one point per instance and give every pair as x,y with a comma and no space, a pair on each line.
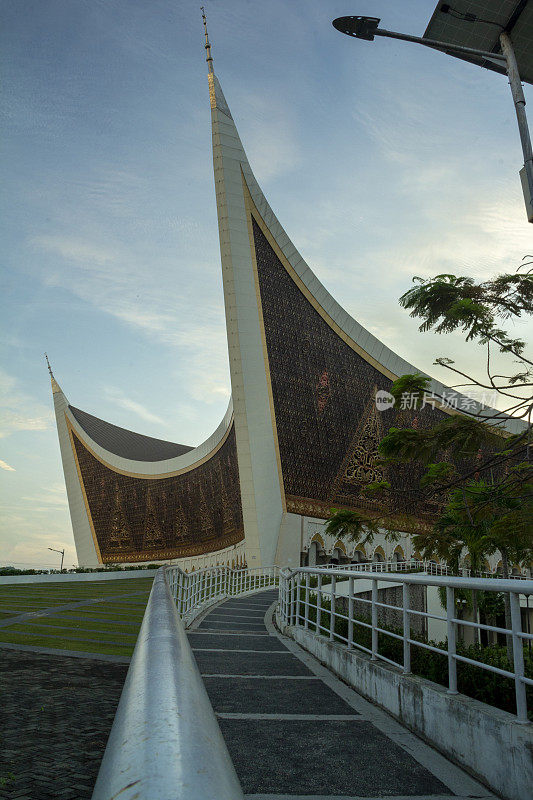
382,161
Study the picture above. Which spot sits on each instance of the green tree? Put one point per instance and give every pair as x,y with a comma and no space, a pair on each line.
489,498
352,526
345,524
463,448
455,531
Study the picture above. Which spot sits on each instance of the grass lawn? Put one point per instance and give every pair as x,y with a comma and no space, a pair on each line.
108,626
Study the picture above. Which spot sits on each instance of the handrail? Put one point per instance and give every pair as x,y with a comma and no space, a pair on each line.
165,743
302,605
194,591
391,566
431,567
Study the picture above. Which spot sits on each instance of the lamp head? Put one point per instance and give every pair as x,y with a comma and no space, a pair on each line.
360,27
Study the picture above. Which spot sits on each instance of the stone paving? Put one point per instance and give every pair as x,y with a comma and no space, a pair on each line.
56,713
59,688
294,731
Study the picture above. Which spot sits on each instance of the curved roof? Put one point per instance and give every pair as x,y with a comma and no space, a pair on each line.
124,443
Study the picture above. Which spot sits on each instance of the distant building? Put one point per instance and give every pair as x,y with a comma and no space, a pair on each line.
301,432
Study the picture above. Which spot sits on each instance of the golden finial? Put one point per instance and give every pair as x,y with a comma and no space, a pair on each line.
55,385
48,365
208,57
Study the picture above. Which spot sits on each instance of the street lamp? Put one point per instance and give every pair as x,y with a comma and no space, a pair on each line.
62,555
367,28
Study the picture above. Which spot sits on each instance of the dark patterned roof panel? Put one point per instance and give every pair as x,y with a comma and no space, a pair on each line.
124,443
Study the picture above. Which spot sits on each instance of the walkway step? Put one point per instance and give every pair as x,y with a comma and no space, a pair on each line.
217,641
327,758
239,663
249,695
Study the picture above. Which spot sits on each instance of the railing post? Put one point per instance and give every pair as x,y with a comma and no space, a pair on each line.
306,610
518,658
375,635
288,598
318,603
406,630
452,646
293,601
297,599
180,593
332,608
350,612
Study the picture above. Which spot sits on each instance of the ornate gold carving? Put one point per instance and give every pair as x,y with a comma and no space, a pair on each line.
174,552
120,534
152,536
323,391
181,528
394,522
187,515
447,409
362,468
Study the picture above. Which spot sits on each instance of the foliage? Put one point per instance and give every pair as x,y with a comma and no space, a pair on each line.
447,303
350,525
460,436
376,489
483,474
415,386
455,530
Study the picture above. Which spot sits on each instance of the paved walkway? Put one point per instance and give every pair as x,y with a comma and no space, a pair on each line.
294,731
56,716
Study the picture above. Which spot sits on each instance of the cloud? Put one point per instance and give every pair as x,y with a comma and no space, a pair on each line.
73,249
5,466
26,539
269,133
50,496
18,411
115,279
116,396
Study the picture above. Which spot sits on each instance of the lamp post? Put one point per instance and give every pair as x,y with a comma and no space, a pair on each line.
62,555
367,28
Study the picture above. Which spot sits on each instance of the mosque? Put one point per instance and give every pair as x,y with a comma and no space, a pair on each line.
300,435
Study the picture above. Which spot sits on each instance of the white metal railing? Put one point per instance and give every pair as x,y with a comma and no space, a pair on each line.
196,590
305,606
431,567
165,741
412,564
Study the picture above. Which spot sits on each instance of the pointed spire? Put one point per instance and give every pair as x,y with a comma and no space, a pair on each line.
55,385
208,56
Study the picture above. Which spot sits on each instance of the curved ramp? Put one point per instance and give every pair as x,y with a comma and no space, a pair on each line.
295,731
